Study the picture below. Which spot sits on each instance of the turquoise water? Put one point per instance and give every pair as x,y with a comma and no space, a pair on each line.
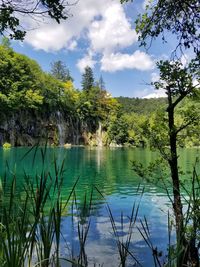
110,170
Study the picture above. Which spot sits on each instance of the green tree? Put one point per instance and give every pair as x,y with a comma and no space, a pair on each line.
60,71
11,12
101,83
118,130
178,82
141,106
96,106
180,18
19,75
136,125
5,42
87,79
52,91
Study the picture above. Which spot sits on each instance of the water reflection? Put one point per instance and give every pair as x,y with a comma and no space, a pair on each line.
109,171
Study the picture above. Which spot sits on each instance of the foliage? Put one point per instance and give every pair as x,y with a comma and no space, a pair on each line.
136,126
25,87
6,145
96,105
60,71
11,13
141,105
87,79
52,91
148,126
118,130
20,82
180,18
178,82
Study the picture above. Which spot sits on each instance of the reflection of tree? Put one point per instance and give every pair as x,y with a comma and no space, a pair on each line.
111,174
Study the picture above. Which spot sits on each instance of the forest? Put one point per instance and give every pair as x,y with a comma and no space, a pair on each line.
36,106
137,205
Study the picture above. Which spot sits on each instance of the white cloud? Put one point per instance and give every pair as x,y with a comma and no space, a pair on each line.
185,59
105,22
84,62
50,36
155,77
156,94
72,45
112,31
118,61
105,28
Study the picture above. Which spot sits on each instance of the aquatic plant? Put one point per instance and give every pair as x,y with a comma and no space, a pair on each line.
31,231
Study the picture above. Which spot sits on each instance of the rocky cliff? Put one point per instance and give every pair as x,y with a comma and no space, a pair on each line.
27,128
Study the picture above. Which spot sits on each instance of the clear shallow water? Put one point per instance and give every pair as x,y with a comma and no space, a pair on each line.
110,170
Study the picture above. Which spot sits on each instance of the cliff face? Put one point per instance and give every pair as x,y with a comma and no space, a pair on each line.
29,128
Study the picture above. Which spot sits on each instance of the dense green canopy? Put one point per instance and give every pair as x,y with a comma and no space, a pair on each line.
25,87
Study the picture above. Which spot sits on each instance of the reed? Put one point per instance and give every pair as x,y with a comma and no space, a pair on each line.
31,222
123,244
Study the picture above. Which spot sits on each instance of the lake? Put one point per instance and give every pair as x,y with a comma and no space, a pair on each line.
110,172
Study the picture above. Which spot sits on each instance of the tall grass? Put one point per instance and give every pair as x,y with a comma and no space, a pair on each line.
123,244
31,222
190,193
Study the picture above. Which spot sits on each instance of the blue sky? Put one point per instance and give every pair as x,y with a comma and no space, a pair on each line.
100,34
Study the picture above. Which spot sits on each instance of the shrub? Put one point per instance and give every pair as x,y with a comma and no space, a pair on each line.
6,145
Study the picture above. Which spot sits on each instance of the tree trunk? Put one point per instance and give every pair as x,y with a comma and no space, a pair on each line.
173,162
187,251
177,203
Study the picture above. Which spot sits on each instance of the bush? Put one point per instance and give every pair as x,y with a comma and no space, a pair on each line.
6,145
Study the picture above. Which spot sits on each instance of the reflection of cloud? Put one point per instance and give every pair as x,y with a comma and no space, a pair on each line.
105,229
105,249
101,253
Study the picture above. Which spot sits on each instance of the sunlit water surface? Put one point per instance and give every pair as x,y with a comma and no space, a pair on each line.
109,170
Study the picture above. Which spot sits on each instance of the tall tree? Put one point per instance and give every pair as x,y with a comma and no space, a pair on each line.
101,83
180,18
12,11
5,42
87,79
60,71
178,82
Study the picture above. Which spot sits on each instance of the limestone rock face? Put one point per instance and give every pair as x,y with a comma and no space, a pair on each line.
29,128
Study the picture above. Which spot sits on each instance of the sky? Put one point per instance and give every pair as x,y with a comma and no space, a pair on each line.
100,34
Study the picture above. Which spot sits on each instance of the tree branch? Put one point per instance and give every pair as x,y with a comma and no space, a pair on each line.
183,127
